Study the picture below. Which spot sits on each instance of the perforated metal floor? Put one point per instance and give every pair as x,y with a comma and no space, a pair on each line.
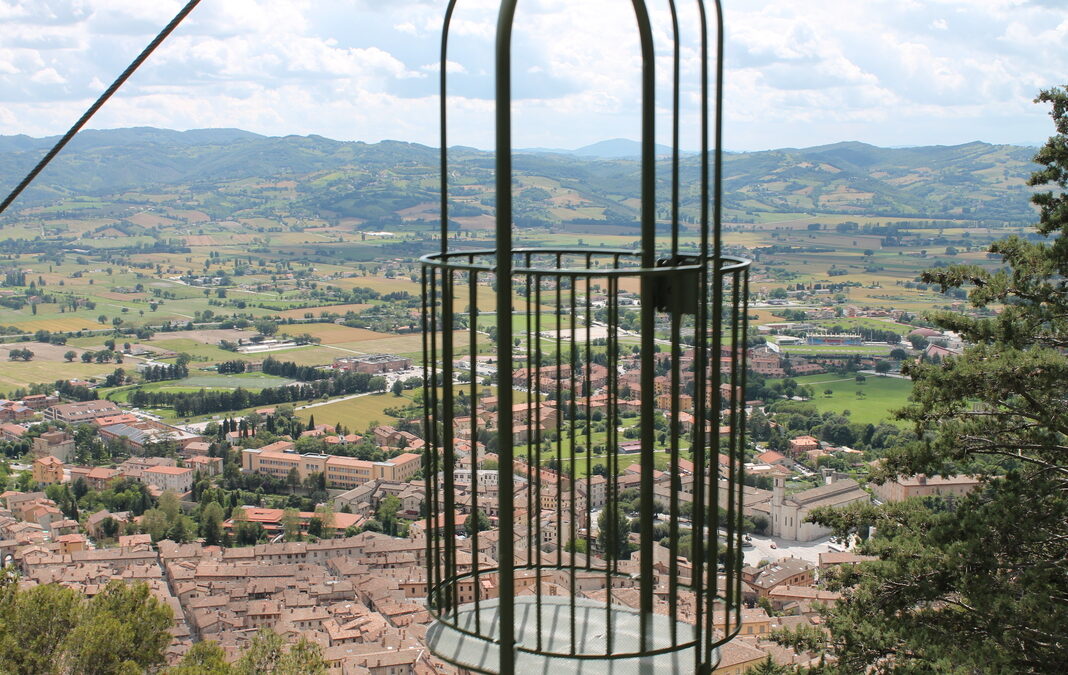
591,632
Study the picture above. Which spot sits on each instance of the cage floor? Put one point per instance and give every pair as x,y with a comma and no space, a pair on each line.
591,632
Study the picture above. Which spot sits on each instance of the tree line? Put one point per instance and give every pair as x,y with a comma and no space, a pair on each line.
188,404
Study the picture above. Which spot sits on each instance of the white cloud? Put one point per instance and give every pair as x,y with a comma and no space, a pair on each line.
882,71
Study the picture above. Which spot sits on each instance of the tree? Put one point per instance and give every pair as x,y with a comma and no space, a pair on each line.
387,514
918,341
398,388
267,655
293,479
154,522
768,667
203,658
882,367
291,524
266,327
52,629
477,519
109,528
170,505
123,629
990,567
612,533
211,518
70,355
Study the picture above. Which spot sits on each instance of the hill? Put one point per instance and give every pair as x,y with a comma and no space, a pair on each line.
387,184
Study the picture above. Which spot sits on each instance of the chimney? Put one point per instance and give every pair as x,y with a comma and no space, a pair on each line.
921,479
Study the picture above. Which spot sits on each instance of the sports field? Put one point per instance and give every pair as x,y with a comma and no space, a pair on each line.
869,402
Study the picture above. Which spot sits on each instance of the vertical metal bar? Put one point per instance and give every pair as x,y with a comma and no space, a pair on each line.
717,243
701,663
612,459
674,141
734,514
588,386
448,415
741,367
559,427
534,431
648,323
533,508
573,361
443,121
428,452
472,300
676,483
504,324
432,391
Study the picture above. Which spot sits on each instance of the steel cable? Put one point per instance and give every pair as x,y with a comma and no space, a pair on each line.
84,119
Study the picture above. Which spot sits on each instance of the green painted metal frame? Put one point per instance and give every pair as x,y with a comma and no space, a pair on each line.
712,270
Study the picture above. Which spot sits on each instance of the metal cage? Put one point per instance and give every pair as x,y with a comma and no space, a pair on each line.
563,583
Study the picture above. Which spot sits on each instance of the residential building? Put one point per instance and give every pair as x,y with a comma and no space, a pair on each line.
12,432
39,401
57,443
783,572
47,470
174,478
207,466
802,444
96,478
86,411
920,485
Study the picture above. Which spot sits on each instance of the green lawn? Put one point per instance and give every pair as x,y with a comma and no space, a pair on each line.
880,395
831,350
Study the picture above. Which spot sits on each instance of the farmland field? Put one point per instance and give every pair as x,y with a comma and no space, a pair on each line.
325,309
32,325
331,333
15,374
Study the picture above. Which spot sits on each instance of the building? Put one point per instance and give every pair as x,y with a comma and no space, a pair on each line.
835,339
96,478
136,436
920,485
372,364
788,514
86,411
803,444
207,466
174,478
339,472
12,432
271,520
71,543
47,470
13,411
784,572
39,401
56,443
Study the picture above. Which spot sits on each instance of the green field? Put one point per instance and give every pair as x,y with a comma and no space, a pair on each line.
357,413
831,350
880,396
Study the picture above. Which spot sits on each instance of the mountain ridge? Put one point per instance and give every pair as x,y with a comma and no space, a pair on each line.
376,181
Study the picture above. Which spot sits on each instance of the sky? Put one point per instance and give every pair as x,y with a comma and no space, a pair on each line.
797,74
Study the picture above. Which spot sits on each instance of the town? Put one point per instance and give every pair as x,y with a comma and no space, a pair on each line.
318,531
